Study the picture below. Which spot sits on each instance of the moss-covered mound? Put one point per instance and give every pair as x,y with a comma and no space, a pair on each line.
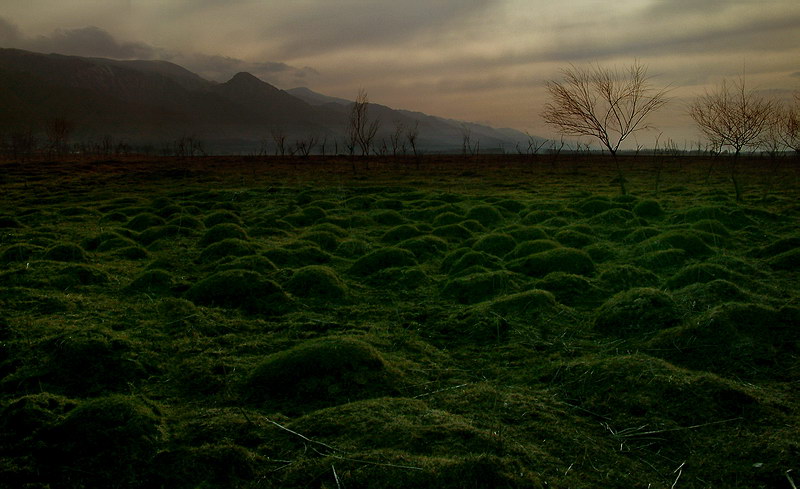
168,232
569,260
527,304
447,218
227,248
153,281
424,247
527,248
662,260
65,253
103,442
222,217
222,231
495,244
317,281
382,258
352,248
573,238
527,233
637,311
735,340
453,232
700,273
571,289
633,388
82,363
487,215
388,217
143,221
324,239
478,287
400,233
423,447
648,209
255,263
469,260
688,241
789,260
321,372
297,255
21,252
9,222
623,277
242,289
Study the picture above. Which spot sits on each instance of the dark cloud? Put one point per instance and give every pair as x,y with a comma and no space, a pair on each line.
352,23
221,68
796,74
90,41
9,33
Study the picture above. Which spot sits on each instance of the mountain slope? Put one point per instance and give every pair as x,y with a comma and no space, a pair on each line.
155,102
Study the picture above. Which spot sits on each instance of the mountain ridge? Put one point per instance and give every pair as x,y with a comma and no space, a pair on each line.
155,101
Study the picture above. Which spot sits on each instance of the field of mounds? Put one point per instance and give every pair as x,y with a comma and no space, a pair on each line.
491,322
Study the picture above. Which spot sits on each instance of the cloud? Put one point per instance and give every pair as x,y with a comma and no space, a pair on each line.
343,25
221,68
9,32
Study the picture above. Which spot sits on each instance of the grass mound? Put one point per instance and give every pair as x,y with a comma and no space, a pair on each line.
381,259
65,253
222,217
447,218
297,255
648,209
145,220
317,281
9,222
388,218
227,248
84,362
777,247
321,372
242,289
523,304
222,231
154,281
76,275
594,205
255,263
789,260
527,233
569,260
699,273
640,234
702,296
688,241
711,226
645,392
400,233
453,232
570,289
735,340
212,465
424,247
479,287
352,248
527,248
623,277
324,239
637,311
661,260
574,239
495,244
468,260
103,442
487,215
21,252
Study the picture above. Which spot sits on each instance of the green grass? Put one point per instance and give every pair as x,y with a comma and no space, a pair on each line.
487,322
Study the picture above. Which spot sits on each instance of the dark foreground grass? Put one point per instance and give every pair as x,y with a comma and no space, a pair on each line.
465,323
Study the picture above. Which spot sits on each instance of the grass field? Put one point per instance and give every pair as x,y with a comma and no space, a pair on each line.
456,323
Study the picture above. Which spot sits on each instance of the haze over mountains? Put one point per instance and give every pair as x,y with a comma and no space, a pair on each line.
156,102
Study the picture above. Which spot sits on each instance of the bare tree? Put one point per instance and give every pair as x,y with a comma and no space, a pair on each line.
396,138
789,125
361,130
732,115
279,138
607,104
411,136
58,131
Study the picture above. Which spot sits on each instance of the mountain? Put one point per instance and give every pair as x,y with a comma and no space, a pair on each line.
156,102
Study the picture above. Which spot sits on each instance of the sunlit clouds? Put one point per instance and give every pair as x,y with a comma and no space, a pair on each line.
478,60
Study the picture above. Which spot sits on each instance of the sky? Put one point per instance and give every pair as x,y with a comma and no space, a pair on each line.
477,60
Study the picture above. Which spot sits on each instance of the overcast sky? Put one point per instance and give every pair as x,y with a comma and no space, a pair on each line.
477,60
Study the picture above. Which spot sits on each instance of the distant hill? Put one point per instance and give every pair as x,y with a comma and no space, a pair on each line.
156,102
